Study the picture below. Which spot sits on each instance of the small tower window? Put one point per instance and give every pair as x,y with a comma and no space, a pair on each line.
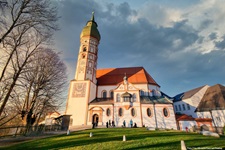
83,56
84,49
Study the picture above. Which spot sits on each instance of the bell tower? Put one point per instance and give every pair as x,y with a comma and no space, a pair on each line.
83,88
88,52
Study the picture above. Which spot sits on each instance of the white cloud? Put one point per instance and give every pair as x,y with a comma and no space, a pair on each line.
207,17
174,44
158,15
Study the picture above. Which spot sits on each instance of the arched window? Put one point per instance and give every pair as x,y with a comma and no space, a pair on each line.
134,97
149,112
165,112
108,112
133,112
120,112
111,94
84,49
104,94
117,97
126,97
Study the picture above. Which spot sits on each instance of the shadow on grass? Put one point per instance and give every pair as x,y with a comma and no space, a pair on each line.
136,139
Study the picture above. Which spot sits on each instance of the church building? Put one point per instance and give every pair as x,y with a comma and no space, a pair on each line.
114,94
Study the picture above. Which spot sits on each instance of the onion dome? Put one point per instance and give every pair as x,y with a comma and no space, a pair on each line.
91,29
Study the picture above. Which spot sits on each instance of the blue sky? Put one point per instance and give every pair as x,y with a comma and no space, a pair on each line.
180,43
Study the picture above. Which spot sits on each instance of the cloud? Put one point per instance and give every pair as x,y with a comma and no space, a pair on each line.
182,48
221,44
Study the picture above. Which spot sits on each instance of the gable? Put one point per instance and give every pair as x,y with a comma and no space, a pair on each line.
123,87
186,95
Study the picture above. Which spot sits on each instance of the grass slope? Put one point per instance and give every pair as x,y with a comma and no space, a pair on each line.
111,138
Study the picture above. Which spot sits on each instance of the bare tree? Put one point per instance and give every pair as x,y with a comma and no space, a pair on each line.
38,14
39,89
18,62
45,82
25,28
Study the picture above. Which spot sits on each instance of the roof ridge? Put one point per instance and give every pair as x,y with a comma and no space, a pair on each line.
119,68
199,88
148,75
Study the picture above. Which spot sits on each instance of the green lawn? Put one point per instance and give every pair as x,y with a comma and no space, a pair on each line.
111,138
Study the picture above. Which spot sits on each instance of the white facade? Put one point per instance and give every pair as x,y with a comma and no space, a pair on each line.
156,119
218,117
188,124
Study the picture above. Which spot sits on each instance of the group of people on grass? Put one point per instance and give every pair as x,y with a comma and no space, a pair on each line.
131,124
108,124
112,124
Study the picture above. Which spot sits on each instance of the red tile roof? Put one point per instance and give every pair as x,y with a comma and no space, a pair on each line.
114,76
203,119
184,117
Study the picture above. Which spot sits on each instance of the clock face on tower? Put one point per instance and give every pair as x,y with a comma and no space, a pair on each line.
79,90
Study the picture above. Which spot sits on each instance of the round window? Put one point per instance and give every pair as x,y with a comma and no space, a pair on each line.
133,113
120,112
149,112
165,112
108,112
